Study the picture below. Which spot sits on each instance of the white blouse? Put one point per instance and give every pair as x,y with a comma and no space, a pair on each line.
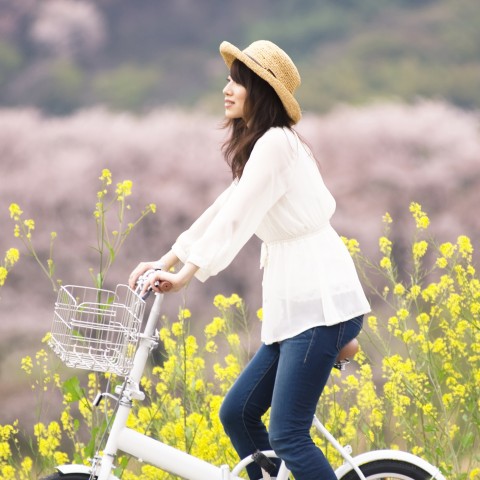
309,276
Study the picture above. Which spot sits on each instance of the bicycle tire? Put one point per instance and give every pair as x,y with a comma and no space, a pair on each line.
388,469
67,476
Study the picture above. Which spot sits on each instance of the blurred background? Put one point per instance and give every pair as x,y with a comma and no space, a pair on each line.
59,55
390,93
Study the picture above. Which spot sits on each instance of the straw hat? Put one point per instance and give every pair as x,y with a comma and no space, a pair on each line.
272,64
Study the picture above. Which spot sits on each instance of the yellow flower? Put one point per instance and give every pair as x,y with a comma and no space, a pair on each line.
447,249
419,249
27,465
6,431
408,335
124,189
3,275
399,289
190,345
465,246
11,257
372,323
387,218
61,458
27,364
474,474
386,263
106,176
423,319
352,382
428,409
15,211
211,346
30,224
8,473
352,245
393,322
415,291
214,327
421,219
385,245
416,450
224,303
233,339
177,329
5,452
38,429
442,262
220,301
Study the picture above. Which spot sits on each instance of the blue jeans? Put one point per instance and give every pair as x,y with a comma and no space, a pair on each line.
289,377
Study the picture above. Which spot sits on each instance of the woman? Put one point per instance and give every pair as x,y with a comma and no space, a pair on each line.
313,303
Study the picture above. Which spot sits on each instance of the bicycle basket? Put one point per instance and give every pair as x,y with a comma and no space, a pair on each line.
97,329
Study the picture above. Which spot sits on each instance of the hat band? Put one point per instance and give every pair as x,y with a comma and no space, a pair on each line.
260,65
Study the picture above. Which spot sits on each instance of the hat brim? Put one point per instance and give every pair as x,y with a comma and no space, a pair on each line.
230,53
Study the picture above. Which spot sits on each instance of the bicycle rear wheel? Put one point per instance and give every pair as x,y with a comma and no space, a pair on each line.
389,469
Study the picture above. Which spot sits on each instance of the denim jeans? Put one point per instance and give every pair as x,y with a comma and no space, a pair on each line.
288,376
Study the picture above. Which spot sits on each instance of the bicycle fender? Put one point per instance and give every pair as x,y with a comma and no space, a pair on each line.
78,468
368,457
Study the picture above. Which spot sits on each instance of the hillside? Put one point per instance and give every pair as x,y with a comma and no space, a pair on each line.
63,55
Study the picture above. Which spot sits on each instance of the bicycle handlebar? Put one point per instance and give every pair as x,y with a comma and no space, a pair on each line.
164,286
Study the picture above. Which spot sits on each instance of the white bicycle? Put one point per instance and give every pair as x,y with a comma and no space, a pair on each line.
100,330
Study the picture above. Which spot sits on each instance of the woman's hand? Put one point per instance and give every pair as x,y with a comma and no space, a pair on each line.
177,281
165,263
139,270
163,282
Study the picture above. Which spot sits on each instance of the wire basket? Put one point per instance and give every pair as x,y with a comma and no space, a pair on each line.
97,329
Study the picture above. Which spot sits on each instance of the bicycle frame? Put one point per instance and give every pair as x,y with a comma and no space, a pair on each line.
141,446
180,463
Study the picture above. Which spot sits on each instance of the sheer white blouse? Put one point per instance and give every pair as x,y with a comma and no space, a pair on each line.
309,277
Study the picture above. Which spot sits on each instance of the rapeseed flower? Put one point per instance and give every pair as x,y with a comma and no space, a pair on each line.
385,245
421,219
15,212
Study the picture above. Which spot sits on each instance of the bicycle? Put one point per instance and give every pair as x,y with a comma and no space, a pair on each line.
100,330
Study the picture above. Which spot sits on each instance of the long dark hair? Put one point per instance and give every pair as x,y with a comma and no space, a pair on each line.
263,109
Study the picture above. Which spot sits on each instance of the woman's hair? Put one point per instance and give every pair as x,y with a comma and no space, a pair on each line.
263,109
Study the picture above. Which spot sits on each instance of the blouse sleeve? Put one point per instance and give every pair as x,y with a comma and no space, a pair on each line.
265,179
182,245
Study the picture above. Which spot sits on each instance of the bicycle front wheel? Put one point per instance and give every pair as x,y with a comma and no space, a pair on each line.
389,469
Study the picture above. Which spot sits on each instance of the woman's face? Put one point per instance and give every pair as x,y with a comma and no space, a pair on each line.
235,96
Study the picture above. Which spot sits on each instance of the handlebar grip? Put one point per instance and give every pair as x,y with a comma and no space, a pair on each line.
164,286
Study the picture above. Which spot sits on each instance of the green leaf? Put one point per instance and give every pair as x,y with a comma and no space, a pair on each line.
72,388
